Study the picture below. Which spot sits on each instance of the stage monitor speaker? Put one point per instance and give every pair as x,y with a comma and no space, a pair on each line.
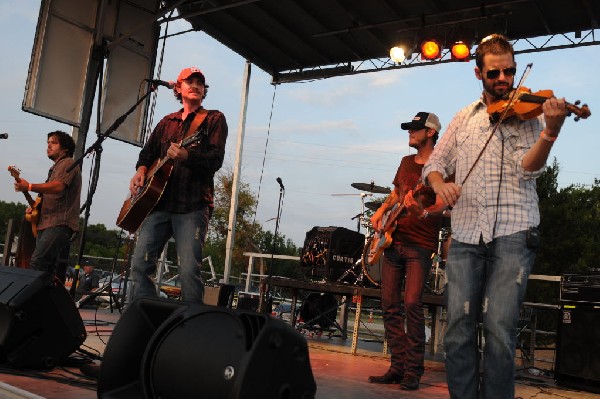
578,347
165,349
248,301
329,251
39,323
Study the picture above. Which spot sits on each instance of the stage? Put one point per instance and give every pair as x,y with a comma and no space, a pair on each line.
338,373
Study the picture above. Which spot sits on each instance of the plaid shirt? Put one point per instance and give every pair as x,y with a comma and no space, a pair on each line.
482,211
62,209
191,184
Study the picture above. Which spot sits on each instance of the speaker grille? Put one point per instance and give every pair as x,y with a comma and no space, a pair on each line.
578,351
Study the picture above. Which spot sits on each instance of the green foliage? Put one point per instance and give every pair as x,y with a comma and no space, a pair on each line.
8,211
570,235
249,235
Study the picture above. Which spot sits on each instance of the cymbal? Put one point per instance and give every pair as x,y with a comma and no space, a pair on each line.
371,187
373,205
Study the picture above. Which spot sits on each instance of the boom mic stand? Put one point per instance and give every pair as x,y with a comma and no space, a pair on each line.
97,148
266,304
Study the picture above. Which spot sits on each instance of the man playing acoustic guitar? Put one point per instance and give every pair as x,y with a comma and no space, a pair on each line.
59,213
407,259
185,206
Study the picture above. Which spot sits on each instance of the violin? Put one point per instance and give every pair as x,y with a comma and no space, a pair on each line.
527,105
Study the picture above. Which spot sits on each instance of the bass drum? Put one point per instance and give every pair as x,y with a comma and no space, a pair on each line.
371,272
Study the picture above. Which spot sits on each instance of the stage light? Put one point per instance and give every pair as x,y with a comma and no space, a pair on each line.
397,54
461,51
430,49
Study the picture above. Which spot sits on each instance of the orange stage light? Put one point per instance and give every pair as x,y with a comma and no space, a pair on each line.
430,49
460,51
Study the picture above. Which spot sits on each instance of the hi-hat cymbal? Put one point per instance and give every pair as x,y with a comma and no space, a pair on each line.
371,187
373,205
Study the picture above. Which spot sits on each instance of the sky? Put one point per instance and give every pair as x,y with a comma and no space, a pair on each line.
319,137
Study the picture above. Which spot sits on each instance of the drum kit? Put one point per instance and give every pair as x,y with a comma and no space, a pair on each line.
365,273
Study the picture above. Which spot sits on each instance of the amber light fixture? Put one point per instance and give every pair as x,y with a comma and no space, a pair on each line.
461,51
431,49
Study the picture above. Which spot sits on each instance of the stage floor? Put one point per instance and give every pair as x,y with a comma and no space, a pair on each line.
337,372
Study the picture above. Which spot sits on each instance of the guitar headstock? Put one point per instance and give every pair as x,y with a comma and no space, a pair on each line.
580,112
14,172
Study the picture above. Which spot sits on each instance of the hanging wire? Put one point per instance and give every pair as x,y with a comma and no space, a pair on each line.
264,155
155,94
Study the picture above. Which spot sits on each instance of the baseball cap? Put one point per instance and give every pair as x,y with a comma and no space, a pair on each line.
187,72
423,120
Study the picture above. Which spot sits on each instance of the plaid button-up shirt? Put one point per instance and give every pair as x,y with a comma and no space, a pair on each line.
191,184
499,198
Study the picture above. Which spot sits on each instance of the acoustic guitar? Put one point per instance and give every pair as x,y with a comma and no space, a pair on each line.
35,205
382,239
136,208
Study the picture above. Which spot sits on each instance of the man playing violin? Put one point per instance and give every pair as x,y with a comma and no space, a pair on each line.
494,223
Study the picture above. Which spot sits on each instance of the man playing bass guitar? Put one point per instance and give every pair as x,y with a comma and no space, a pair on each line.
59,215
407,258
185,206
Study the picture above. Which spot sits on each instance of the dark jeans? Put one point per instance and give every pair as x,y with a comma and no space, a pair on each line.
51,252
189,230
410,265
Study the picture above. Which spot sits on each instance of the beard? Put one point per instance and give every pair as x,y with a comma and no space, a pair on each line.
497,90
418,143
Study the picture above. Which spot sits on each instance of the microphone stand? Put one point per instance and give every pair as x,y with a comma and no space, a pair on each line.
266,305
97,148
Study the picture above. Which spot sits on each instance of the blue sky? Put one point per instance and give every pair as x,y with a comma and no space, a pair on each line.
324,135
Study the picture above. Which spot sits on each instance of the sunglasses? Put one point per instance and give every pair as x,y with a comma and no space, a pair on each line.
495,73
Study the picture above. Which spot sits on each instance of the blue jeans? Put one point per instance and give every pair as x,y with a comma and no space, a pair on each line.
409,264
189,230
487,281
51,252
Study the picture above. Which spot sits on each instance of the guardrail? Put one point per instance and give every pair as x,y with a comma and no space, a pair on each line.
251,256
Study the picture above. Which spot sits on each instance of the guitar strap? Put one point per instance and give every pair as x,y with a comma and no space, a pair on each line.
198,119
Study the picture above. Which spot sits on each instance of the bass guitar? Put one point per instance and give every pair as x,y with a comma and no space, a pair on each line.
383,238
136,208
35,205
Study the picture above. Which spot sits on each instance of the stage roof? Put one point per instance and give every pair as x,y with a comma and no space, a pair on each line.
312,39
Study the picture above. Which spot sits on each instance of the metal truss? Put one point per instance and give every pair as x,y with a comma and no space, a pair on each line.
527,45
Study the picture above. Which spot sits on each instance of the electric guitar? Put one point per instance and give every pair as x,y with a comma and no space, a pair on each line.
136,208
383,238
35,205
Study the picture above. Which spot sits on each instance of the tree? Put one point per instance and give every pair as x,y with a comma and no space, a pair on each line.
569,231
249,235
8,211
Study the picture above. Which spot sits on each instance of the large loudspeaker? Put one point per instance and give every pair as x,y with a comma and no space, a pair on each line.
329,251
578,347
39,323
171,349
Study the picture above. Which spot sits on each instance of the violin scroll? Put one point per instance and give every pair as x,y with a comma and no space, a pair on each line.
582,112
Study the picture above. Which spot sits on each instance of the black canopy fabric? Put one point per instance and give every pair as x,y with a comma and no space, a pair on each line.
302,39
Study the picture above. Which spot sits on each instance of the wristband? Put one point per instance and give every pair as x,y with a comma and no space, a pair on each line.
550,139
29,188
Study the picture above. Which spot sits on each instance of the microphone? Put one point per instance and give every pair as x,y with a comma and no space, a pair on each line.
4,136
157,82
280,183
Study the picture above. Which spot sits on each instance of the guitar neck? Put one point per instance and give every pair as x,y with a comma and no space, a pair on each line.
29,198
392,215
